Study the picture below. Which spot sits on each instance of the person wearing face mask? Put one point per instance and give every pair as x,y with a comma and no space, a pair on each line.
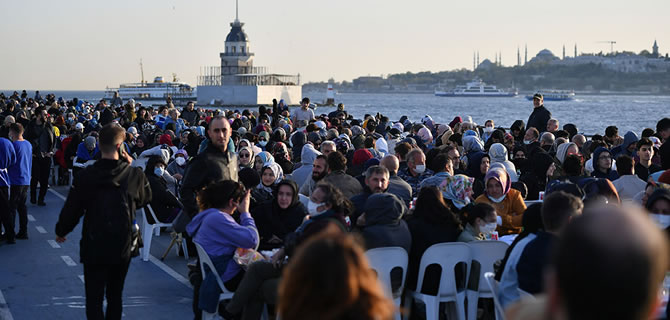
279,216
658,206
164,203
507,201
480,220
416,170
263,138
177,167
488,130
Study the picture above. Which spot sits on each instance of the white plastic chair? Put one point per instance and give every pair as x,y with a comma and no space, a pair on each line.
486,253
447,255
493,286
225,293
148,231
383,261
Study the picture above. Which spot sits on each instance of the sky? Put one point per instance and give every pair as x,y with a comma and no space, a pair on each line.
94,44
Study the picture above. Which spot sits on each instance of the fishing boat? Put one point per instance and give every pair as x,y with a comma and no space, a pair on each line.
476,88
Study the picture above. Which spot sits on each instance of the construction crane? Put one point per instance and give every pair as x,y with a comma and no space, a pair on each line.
612,43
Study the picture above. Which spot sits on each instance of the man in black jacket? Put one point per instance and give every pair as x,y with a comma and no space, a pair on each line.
214,164
540,116
41,135
107,195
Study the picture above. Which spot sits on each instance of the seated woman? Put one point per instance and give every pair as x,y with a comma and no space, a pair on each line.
261,160
353,290
271,174
163,202
220,235
480,221
602,165
507,202
432,222
457,191
279,216
477,168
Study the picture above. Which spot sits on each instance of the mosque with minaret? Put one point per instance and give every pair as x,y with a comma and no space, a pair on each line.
236,81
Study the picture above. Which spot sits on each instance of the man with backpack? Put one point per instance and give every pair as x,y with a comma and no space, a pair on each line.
107,194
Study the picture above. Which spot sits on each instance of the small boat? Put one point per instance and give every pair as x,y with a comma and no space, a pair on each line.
476,88
555,95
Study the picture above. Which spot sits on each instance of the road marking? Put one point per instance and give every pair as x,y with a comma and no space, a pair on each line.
81,277
31,218
53,244
41,229
68,261
57,194
169,271
5,314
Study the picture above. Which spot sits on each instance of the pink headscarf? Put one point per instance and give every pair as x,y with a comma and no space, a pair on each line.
500,175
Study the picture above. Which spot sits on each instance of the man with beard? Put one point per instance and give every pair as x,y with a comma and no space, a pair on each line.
319,171
376,181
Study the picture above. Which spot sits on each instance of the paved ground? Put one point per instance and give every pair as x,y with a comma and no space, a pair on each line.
40,279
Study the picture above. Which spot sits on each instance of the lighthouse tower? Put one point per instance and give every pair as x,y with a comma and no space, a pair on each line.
236,59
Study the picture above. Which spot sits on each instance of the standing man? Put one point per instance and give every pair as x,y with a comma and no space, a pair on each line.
304,114
540,116
41,135
107,194
216,163
7,159
19,178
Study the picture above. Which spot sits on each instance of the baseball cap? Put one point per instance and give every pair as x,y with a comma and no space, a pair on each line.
79,126
538,96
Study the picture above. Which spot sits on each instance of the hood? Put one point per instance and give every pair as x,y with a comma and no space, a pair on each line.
382,146
518,125
294,201
308,154
596,155
628,138
155,151
197,221
474,163
109,171
472,144
562,151
383,208
498,153
540,164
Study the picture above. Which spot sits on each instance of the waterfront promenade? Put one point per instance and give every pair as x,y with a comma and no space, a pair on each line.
41,279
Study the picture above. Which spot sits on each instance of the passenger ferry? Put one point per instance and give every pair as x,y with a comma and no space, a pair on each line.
476,88
555,95
156,90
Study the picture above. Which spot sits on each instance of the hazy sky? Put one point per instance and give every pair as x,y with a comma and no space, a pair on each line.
91,44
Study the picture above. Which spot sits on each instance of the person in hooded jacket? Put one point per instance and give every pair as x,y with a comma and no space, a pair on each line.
304,172
384,226
87,150
477,168
177,167
498,154
628,147
279,216
542,167
518,130
507,202
164,203
602,165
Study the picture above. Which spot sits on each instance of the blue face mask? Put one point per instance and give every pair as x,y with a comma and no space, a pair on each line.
159,171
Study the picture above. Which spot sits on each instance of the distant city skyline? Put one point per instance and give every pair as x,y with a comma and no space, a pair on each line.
87,45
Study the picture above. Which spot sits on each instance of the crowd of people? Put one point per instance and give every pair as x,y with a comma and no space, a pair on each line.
295,182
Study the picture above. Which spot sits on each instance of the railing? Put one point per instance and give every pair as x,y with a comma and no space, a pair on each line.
211,76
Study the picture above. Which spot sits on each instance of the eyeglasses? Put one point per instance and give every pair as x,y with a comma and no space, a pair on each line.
604,158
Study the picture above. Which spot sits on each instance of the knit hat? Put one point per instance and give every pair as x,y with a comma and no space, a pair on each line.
165,139
89,142
361,155
383,208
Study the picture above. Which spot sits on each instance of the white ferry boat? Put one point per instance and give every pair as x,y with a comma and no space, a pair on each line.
555,95
156,90
476,88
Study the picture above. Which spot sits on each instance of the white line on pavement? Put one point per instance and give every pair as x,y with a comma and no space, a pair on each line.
57,194
169,271
5,314
41,229
81,277
53,244
68,261
31,218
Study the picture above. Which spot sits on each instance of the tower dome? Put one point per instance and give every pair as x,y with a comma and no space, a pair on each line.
236,33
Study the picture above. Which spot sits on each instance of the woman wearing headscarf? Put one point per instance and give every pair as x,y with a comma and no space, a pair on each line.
164,204
565,150
279,216
246,157
282,157
498,154
477,168
271,174
457,190
541,168
518,130
471,145
507,201
261,160
263,139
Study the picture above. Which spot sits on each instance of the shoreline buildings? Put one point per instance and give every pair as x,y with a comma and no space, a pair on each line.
238,82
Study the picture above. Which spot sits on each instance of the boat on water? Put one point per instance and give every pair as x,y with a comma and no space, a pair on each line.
476,88
555,95
159,89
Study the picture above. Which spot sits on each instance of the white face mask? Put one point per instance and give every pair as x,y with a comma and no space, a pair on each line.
420,168
311,208
488,228
180,161
488,129
527,142
159,171
496,200
262,143
661,220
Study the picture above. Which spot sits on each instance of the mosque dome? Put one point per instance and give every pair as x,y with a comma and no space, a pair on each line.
236,33
546,53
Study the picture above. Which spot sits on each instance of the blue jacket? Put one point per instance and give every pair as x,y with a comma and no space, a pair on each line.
83,154
19,172
7,159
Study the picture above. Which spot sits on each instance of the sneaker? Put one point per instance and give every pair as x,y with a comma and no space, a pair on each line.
22,235
41,203
33,200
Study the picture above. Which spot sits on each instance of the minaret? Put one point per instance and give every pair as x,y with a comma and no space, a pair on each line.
575,50
478,58
500,58
474,61
525,59
236,59
563,52
518,56
654,49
